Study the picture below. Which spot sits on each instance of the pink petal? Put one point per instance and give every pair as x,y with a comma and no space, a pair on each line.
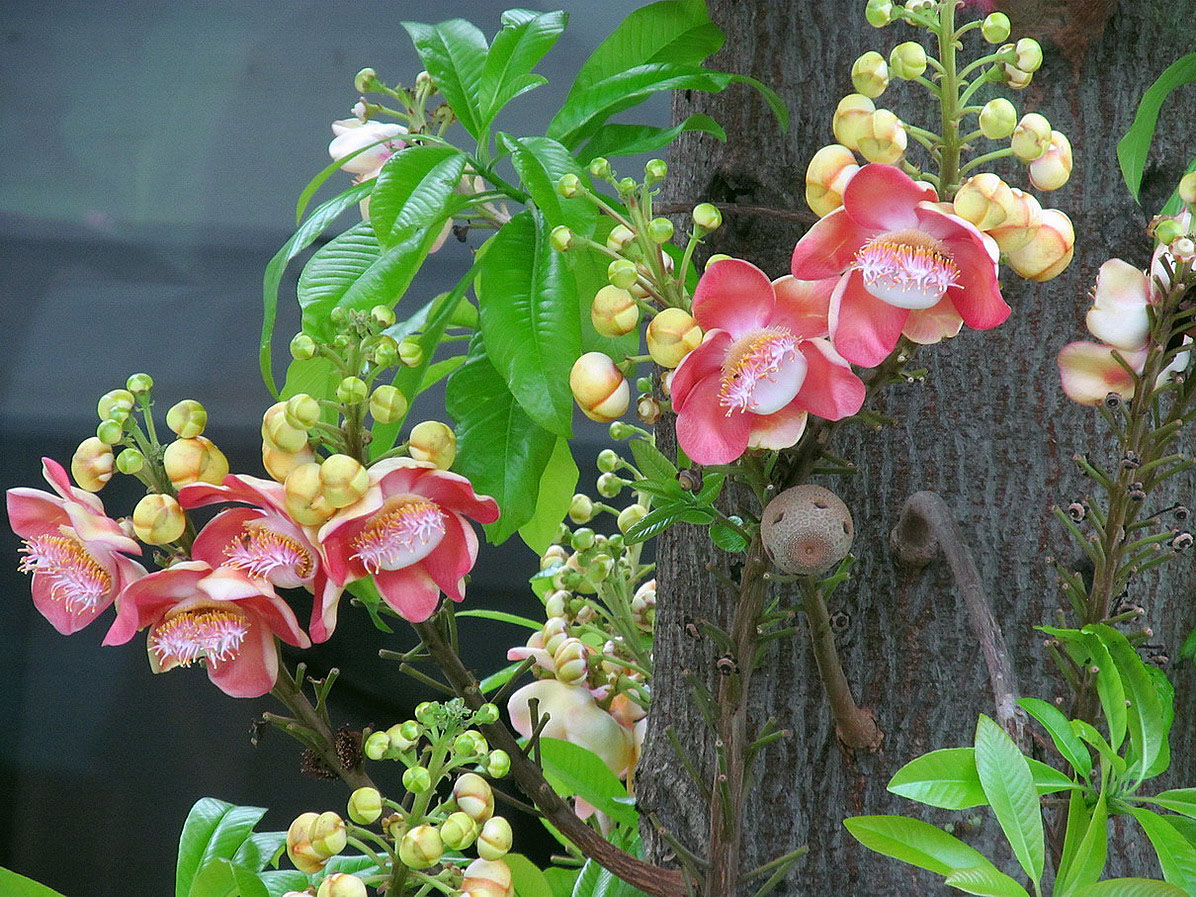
699,364
706,432
778,430
324,607
410,592
803,305
256,598
733,295
67,622
1089,372
253,671
336,547
927,326
831,390
213,540
32,512
882,197
145,600
453,557
829,247
237,487
128,571
57,477
864,330
96,529
455,492
977,295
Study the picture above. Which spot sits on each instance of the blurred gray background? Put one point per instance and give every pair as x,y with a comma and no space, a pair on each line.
150,157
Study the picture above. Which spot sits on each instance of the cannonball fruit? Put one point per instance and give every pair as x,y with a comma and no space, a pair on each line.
806,530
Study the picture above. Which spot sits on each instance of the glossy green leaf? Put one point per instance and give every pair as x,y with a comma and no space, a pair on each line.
1089,734
454,54
727,539
331,272
497,680
224,842
594,881
1144,715
1069,745
1177,856
1130,887
500,616
627,140
259,850
501,450
985,881
659,519
1180,800
540,163
1133,148
14,885
205,824
279,881
529,321
1165,692
562,880
915,842
576,772
413,191
1085,849
221,877
307,233
526,876
948,779
1009,786
1086,649
521,43
558,484
652,462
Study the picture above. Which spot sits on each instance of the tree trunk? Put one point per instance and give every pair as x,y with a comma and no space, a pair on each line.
989,430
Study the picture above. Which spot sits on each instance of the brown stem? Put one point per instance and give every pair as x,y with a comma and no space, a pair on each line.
854,725
653,880
927,525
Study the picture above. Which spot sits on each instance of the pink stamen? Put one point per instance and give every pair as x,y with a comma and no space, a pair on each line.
77,579
755,359
261,552
403,532
202,634
907,269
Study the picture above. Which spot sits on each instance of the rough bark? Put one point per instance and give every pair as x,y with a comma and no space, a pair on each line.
989,430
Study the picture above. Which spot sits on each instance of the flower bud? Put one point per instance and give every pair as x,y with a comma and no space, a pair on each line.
474,797
303,347
458,831
581,509
561,238
622,273
619,238
187,418
631,515
655,171
299,847
303,497
341,884
1168,230
570,661
707,217
1029,55
365,80
907,60
115,405
278,433
614,312
130,461
600,389
983,200
343,480
92,464
554,633
599,168
660,230
626,186
1023,216
279,464
428,712
1183,249
495,840
568,185
487,878
995,27
158,519
328,836
610,485
852,119
382,316
608,461
884,138
470,744
403,736
433,441
194,460
1031,138
365,805
870,74
555,605
385,352
486,715
388,405
827,177
411,353
110,432
376,748
879,13
139,384
672,335
648,409
1187,188
352,391
302,411
417,779
998,118
1051,171
498,764
1014,78
1049,252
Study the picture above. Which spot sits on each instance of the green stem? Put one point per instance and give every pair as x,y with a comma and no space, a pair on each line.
949,101
987,157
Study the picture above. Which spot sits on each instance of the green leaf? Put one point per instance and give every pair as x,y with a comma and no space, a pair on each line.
1177,856
1180,800
225,840
562,880
1187,650
1130,887
1133,148
279,881
1066,741
652,462
529,320
1166,695
413,190
368,596
500,616
497,680
1009,786
329,274
526,876
574,771
712,485
915,842
260,849
307,233
198,829
727,539
454,54
659,519
15,885
1087,732
1144,714
986,881
1086,649
628,140
948,779
594,881
1085,861
221,877
541,162
557,487
1173,207
501,450
517,48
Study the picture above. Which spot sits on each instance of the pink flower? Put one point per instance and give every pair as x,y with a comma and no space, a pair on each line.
764,364
574,716
264,542
905,265
222,617
74,551
352,135
410,533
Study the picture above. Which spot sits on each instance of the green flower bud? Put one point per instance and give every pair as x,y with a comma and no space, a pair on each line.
1187,188
561,238
498,764
707,217
410,730
620,237
427,712
352,391
615,544
458,831
139,384
995,27
187,418
622,273
342,341
398,736
660,230
328,835
110,432
385,353
1029,55
581,509
631,515
303,347
583,539
411,353
388,405
365,805
486,714
130,461
382,316
599,168
417,779
908,60
470,744
495,839
115,405
302,411
567,578
365,80
870,74
626,186
568,185
610,485
879,13
341,884
339,316
1166,231
620,430
1031,138
377,745
608,461
655,171
998,118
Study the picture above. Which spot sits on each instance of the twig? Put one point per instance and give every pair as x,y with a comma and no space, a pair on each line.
739,208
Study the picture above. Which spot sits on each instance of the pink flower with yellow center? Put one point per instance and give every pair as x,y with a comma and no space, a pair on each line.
264,543
75,552
410,533
764,365
221,617
904,266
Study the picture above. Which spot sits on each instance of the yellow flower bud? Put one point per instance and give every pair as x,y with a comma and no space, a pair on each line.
908,60
433,441
1023,215
827,176
995,27
187,418
495,840
883,138
569,659
341,884
279,433
1015,78
299,847
1051,171
343,480
851,120
600,389
474,797
302,411
158,519
388,405
879,13
1050,252
421,847
1031,138
328,836
1187,188
115,405
998,118
92,464
487,878
870,74
194,460
614,312
279,464
458,831
631,515
1029,55
707,217
304,499
672,335
365,805
620,237
983,200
